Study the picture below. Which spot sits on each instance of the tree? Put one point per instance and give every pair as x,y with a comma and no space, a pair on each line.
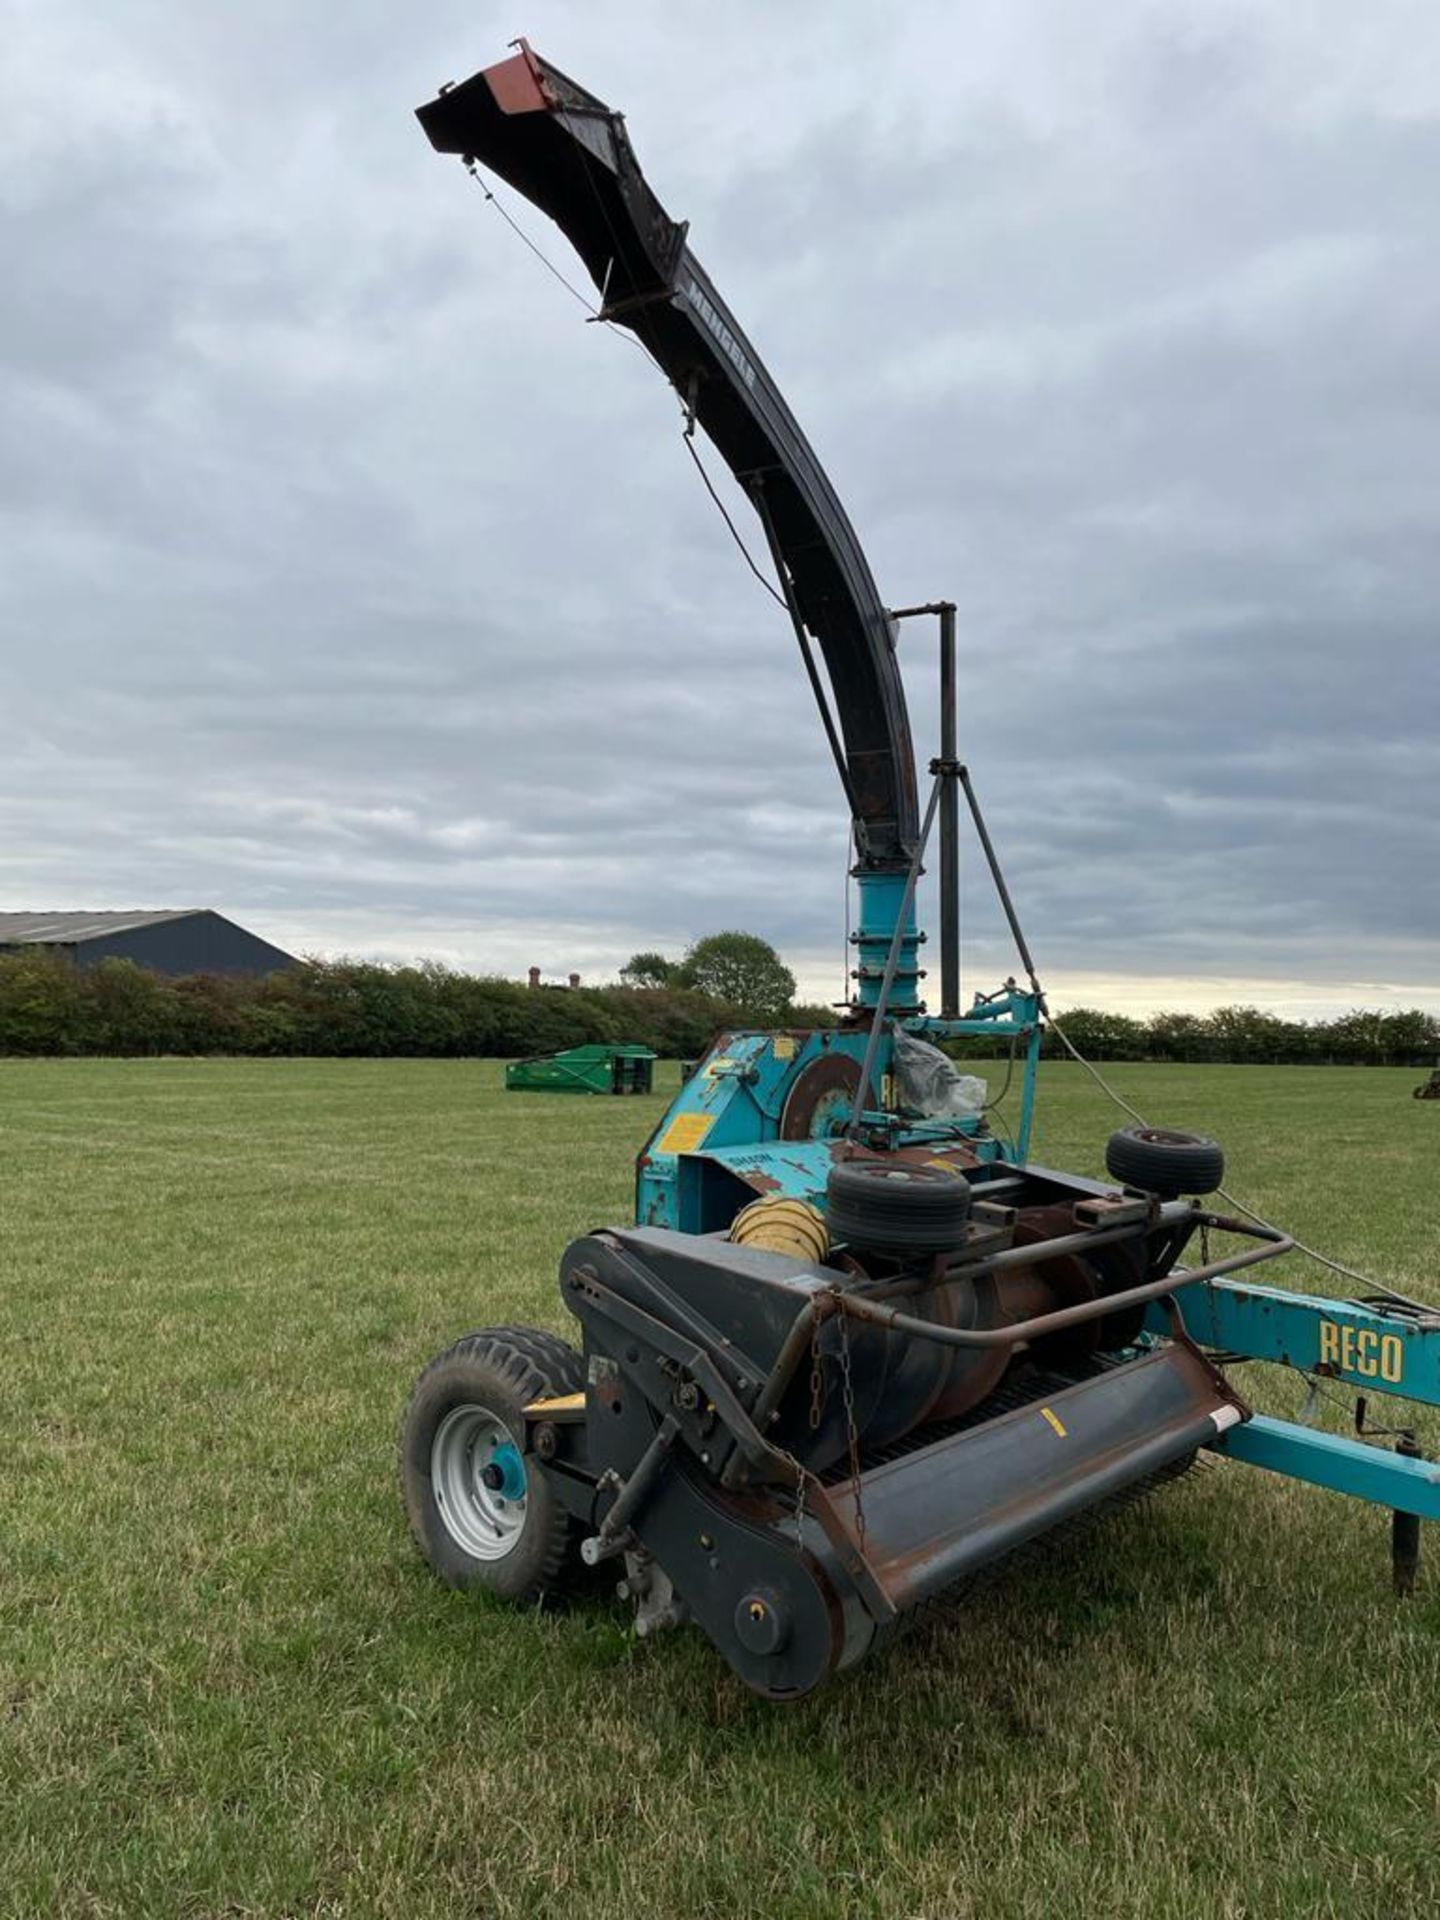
132,1009
648,970
44,1005
1409,1039
743,969
1103,1036
1177,1036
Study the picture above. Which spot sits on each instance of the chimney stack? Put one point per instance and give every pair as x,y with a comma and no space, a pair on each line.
574,981
534,976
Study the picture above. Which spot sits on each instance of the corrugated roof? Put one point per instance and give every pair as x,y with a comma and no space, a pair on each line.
68,929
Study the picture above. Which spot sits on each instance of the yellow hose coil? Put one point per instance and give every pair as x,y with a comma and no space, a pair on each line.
781,1225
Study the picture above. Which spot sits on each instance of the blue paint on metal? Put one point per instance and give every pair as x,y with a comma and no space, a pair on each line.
1357,1346
719,1142
798,1169
1027,1092
1343,1340
881,901
512,1469
734,1099
1335,1461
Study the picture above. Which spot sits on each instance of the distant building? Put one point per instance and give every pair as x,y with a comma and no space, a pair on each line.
536,981
182,940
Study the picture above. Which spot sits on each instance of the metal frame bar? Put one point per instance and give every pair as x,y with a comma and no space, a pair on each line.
1363,1346
1010,1014
1334,1460
1368,1347
859,1308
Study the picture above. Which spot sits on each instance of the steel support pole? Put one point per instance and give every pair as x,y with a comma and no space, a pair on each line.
949,826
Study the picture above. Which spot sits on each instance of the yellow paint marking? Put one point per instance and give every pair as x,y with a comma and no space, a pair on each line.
557,1403
1056,1422
685,1132
783,1046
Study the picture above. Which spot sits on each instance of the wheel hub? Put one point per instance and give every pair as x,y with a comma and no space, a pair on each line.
479,1480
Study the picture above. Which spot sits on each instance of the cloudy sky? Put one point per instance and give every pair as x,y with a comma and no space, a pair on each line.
352,584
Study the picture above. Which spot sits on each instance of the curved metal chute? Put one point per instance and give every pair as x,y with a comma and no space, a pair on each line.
569,154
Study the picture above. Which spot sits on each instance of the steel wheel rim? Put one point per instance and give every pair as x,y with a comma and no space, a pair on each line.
484,1521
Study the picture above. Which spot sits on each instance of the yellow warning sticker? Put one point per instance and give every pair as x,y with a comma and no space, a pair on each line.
783,1046
1046,1413
685,1132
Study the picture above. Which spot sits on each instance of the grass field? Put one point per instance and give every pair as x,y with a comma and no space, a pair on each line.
228,1686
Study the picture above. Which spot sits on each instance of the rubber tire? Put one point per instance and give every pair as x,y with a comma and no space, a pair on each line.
502,1369
896,1207
1164,1161
551,1352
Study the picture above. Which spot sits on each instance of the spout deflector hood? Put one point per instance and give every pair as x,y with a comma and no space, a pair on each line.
569,155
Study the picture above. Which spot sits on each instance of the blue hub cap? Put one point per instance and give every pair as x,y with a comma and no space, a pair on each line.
512,1471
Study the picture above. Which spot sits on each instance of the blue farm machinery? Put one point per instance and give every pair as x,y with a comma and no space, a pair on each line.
856,1345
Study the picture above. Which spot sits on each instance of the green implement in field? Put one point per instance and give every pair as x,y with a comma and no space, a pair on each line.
595,1068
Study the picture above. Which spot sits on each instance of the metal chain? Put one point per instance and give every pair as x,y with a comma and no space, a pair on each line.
817,1375
852,1431
801,1476
817,1414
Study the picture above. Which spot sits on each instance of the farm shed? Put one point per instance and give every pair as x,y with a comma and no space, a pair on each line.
180,940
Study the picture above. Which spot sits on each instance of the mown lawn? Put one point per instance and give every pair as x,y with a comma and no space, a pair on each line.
228,1686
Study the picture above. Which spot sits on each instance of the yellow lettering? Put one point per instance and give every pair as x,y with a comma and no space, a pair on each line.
1363,1351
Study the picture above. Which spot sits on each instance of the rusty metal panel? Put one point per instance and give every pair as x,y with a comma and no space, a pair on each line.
938,1514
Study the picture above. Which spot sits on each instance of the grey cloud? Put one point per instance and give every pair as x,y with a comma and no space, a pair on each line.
350,575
